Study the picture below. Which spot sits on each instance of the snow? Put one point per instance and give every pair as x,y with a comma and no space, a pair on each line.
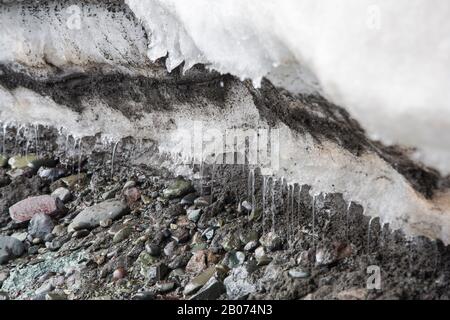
387,62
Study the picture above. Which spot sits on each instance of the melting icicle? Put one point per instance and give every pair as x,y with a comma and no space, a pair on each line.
272,208
314,221
5,129
264,203
368,235
347,220
113,157
36,139
80,155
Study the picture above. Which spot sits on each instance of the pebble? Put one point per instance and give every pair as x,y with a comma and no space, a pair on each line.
40,226
165,286
51,174
152,249
298,273
212,290
62,194
10,248
271,241
197,263
90,217
106,223
22,162
119,273
169,249
25,210
194,214
132,195
177,189
202,202
129,184
81,233
199,281
57,296
189,199
122,234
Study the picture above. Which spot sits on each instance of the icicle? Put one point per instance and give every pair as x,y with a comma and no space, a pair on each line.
368,235
36,139
80,155
288,216
5,129
264,203
314,221
113,157
347,220
272,208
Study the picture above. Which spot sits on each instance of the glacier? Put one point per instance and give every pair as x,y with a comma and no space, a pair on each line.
387,62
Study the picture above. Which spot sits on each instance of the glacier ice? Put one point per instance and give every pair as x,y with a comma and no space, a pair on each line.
388,62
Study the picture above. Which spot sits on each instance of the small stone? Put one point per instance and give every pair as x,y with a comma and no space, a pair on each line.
231,242
145,295
199,281
51,174
3,161
40,226
45,288
212,290
237,284
252,245
152,249
189,199
169,249
36,241
261,258
208,233
247,206
119,273
165,286
298,273
178,188
122,234
233,259
132,195
197,263
26,209
129,184
353,294
194,214
105,223
62,194
157,272
57,296
271,241
80,234
21,236
202,202
74,181
90,217
49,237
59,230
21,162
181,235
10,248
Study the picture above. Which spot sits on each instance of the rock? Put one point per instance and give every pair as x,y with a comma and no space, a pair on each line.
145,295
119,273
4,296
178,188
152,249
90,217
247,206
233,259
194,214
237,284
59,230
74,180
252,245
271,241
51,174
353,294
22,162
157,272
57,296
208,233
189,199
21,236
40,226
10,248
105,223
132,195
62,194
231,242
169,249
332,253
45,288
212,290
3,161
197,263
80,234
181,235
122,234
110,193
201,202
165,286
180,261
261,258
145,262
199,281
26,209
129,184
298,273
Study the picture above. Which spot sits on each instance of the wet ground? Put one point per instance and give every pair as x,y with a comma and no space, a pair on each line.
130,229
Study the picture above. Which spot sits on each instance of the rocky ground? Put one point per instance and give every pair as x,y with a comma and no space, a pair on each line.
81,223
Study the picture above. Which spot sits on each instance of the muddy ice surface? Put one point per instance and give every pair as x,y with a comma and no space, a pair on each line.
129,229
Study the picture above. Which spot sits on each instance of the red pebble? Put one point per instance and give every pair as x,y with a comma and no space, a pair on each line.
26,209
